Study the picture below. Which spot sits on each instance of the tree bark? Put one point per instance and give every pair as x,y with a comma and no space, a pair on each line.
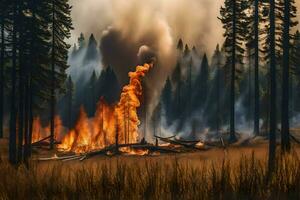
273,111
12,136
2,72
52,106
285,135
256,72
232,84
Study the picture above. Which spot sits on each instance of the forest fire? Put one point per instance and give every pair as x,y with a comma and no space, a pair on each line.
39,132
111,124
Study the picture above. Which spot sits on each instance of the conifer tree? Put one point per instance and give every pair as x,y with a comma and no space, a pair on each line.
201,84
252,42
233,20
288,14
69,101
92,53
166,100
61,25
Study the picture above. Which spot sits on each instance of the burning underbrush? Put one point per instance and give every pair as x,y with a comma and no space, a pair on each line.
116,124
114,128
112,124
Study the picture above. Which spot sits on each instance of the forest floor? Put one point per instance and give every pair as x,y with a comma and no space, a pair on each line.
233,153
237,172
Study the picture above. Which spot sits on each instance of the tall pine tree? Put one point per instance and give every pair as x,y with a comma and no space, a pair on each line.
233,20
61,25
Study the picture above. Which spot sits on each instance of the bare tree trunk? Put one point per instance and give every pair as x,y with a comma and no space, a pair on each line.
273,111
256,71
2,71
285,135
52,106
232,79
13,111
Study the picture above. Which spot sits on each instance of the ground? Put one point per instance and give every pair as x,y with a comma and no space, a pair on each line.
258,147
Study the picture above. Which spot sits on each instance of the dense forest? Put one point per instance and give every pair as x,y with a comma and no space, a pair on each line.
248,86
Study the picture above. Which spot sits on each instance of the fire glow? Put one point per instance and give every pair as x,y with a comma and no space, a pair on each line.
111,124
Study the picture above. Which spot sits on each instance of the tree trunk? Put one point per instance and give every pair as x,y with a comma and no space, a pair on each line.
2,73
285,135
21,105
232,84
12,136
273,113
52,106
30,114
256,76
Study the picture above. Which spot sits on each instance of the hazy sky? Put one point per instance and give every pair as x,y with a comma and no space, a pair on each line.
193,20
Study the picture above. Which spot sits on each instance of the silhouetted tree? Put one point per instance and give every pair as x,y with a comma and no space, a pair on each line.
81,42
288,13
166,99
201,84
233,20
69,101
13,110
180,45
92,53
61,25
252,43
273,110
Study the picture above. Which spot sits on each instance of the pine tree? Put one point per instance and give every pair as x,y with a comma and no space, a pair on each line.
69,101
92,91
253,40
273,110
201,84
186,50
81,42
3,25
61,25
180,45
233,20
110,87
288,13
13,110
74,51
92,53
166,100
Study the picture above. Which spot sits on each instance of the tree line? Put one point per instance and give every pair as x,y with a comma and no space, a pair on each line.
33,63
256,67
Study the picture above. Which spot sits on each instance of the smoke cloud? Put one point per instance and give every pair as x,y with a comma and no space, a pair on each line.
128,28
195,21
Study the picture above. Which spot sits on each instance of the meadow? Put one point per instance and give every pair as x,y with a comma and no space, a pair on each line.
235,173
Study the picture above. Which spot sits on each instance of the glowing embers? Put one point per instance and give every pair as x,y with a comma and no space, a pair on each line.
112,123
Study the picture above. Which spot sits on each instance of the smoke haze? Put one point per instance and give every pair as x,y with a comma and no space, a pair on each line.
195,21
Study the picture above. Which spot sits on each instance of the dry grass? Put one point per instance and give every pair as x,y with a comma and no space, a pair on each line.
163,177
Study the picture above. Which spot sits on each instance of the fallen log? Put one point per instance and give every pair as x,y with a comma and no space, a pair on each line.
74,158
164,137
154,148
58,158
107,149
191,146
294,138
42,140
188,142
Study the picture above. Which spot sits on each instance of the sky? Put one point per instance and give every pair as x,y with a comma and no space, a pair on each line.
195,21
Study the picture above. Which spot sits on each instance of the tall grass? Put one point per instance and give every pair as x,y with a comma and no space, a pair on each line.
150,179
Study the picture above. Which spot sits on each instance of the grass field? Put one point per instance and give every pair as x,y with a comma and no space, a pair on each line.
238,173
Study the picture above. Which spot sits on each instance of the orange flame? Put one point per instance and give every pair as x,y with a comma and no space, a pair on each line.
39,132
110,121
